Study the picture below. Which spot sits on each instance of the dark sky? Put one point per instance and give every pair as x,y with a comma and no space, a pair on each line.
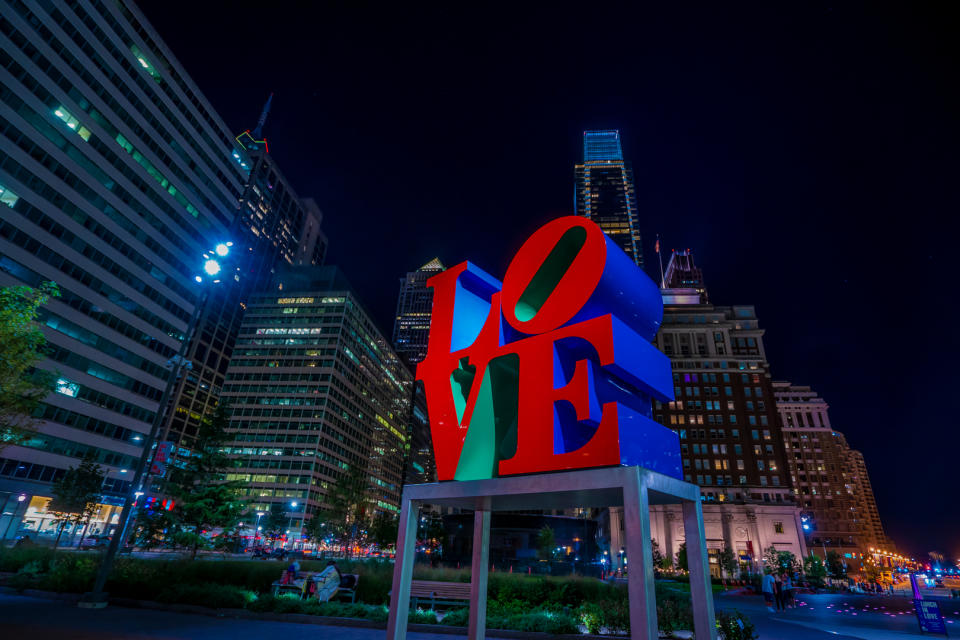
807,152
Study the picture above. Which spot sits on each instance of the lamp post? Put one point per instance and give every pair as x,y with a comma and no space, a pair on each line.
212,269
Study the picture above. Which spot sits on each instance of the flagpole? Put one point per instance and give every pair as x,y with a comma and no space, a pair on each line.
660,258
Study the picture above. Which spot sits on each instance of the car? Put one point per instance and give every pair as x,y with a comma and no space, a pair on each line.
95,542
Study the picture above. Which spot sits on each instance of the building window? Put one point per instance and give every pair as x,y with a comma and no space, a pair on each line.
778,527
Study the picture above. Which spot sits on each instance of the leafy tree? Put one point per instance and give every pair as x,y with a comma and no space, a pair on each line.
656,555
814,569
22,345
778,562
274,522
871,572
75,495
346,511
384,529
315,529
729,564
546,542
835,566
153,526
204,499
681,562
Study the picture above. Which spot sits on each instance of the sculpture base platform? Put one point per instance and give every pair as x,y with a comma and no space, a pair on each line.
634,488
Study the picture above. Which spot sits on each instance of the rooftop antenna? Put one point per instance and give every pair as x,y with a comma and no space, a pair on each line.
660,258
258,132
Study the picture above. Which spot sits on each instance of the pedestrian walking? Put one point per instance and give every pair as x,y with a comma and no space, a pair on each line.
778,592
787,592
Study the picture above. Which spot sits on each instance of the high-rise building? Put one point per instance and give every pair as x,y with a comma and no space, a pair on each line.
682,274
314,390
116,175
411,332
411,328
726,416
605,191
829,479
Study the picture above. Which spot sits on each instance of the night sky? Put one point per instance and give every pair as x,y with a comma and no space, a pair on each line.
806,152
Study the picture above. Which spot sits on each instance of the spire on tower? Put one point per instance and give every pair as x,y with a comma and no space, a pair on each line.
256,133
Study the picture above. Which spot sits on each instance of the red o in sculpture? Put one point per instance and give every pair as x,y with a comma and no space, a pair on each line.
553,275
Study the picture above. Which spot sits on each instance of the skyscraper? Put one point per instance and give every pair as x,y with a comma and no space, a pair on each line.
830,479
411,332
116,175
411,329
605,191
315,390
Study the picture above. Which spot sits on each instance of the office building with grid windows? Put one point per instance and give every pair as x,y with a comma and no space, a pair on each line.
604,191
315,390
116,175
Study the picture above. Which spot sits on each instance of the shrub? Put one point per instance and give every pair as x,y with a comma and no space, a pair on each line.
734,626
456,617
592,615
215,596
423,617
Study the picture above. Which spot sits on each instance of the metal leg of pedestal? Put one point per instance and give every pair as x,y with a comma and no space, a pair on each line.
403,571
478,575
640,586
701,592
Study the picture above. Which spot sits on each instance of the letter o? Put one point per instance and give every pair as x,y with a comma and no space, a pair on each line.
553,274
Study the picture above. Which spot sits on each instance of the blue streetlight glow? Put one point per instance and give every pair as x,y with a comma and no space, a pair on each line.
212,267
222,249
198,278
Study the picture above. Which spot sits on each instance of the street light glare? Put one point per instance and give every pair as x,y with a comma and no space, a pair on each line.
212,267
222,250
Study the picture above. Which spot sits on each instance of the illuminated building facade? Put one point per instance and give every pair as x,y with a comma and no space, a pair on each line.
829,478
411,331
315,390
726,416
116,174
605,193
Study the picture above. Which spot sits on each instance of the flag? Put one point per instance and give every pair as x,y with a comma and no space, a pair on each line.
656,247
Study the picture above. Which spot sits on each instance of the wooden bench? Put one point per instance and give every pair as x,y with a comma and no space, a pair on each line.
444,594
348,591
299,585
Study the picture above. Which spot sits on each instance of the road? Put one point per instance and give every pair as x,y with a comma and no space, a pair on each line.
844,615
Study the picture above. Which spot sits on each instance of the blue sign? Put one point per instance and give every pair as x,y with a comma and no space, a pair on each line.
929,617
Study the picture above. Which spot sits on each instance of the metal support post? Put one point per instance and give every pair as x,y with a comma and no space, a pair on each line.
477,625
640,586
403,570
701,592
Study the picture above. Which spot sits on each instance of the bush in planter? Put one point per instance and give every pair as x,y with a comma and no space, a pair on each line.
215,596
12,560
592,615
456,617
734,626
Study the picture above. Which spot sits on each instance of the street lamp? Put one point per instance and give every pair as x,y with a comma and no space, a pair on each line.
211,267
13,516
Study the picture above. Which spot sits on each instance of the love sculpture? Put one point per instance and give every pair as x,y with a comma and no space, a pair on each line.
539,393
551,369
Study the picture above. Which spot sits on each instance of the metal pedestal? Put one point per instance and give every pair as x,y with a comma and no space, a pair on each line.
634,488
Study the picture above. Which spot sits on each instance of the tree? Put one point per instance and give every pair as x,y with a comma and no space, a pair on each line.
778,562
315,529
75,495
815,570
656,555
22,345
204,499
546,542
729,564
384,529
835,566
681,562
346,511
275,522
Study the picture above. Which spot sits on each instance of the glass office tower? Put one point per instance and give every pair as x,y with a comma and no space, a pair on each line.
605,191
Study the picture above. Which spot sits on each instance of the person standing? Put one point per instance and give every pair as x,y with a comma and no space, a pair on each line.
768,587
778,592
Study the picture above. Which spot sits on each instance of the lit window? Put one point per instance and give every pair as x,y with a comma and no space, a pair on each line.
8,197
67,388
72,122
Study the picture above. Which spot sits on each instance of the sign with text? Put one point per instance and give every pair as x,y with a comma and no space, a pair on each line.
552,368
929,616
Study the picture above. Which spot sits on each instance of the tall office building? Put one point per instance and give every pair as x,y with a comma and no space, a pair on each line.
315,390
726,416
116,175
605,191
411,332
830,479
411,328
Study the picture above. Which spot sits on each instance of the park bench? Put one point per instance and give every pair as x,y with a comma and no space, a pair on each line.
444,594
348,586
299,586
